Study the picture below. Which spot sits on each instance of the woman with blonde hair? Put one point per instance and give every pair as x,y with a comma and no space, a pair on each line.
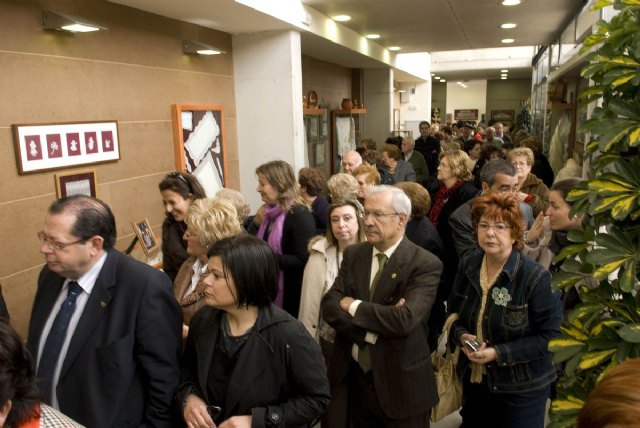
531,189
342,187
208,221
287,225
238,201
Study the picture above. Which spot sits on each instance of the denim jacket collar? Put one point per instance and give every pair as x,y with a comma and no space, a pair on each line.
511,267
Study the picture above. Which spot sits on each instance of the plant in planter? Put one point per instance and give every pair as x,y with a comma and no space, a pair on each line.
604,329
524,120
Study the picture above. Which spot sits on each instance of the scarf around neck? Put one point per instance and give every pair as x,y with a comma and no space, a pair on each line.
441,198
274,217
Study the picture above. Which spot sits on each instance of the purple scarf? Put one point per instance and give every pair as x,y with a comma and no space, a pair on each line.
274,216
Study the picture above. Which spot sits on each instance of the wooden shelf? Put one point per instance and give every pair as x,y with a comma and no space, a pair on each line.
350,112
314,111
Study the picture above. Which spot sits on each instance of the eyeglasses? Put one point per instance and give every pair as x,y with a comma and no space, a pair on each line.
378,214
519,163
498,227
55,245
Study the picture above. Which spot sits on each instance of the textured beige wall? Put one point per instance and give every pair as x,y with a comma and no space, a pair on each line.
330,81
131,73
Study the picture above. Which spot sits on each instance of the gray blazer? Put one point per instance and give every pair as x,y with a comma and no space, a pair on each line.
404,172
462,229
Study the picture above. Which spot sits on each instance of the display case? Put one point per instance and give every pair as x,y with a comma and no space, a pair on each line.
317,138
347,142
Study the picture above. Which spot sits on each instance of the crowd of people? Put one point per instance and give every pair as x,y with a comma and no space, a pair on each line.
322,307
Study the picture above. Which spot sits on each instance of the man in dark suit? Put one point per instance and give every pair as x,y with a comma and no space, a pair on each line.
105,329
383,292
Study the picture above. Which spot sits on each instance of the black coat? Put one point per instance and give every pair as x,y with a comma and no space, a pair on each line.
121,368
174,248
280,373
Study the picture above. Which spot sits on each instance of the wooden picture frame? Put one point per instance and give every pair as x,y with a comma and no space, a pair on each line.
503,115
43,147
76,183
147,239
200,144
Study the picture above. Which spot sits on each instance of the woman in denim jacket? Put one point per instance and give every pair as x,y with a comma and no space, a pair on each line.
504,302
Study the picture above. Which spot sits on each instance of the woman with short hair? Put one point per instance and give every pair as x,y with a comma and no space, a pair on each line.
507,314
312,182
531,189
208,221
247,363
394,169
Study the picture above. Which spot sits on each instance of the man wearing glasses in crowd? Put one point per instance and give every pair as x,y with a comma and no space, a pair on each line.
381,297
105,329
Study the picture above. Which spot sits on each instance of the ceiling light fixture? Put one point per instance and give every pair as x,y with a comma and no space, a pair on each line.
394,48
372,36
511,2
507,41
442,80
199,48
504,71
341,18
74,24
508,25
503,78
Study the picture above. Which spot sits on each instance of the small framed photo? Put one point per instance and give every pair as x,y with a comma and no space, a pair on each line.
145,235
76,183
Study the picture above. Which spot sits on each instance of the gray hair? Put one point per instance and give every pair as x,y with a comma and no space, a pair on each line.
410,140
399,200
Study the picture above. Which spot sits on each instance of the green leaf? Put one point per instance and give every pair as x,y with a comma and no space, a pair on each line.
624,206
603,256
627,278
592,359
630,333
603,271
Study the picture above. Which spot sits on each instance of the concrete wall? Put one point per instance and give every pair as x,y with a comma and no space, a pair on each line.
330,81
131,73
507,95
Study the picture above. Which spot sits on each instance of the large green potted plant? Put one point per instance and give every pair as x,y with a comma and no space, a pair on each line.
604,329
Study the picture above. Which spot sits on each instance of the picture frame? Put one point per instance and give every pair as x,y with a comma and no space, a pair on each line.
76,183
49,146
147,239
503,115
200,144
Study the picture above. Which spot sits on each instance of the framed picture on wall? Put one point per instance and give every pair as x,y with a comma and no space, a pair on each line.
42,147
199,144
145,235
76,183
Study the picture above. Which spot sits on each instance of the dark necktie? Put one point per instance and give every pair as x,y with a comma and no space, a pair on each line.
364,352
55,339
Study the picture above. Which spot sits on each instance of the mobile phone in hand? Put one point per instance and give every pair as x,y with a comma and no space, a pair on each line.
472,345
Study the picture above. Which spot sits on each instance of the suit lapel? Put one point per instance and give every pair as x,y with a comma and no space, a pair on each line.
362,271
96,307
388,282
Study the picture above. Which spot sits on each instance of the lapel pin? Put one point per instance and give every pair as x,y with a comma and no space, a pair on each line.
393,275
103,304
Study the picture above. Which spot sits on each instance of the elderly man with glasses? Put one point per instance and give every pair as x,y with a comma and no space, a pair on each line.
378,304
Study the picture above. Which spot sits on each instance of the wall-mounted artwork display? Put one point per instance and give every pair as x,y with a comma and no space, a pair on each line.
502,115
145,235
465,114
199,144
76,183
41,147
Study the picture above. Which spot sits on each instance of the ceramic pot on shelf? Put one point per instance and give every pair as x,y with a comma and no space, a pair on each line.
346,104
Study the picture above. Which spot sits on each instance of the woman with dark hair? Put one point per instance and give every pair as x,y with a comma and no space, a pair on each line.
531,189
247,363
312,182
20,406
287,225
178,190
394,169
507,313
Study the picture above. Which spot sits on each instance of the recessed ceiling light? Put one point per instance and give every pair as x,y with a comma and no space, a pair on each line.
442,80
504,71
341,18
508,25
394,48
372,36
433,74
503,78
511,2
438,77
507,41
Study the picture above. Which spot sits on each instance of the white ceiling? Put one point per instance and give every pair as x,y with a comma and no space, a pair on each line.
414,25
